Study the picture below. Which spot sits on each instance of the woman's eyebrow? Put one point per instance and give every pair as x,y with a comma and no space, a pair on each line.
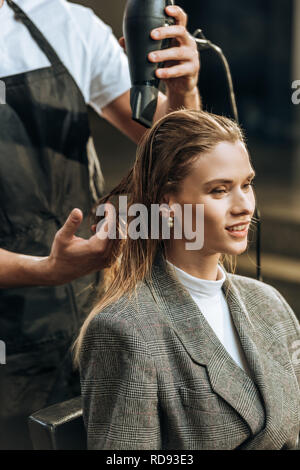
221,180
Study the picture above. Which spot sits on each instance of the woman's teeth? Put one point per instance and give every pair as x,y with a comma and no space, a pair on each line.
237,228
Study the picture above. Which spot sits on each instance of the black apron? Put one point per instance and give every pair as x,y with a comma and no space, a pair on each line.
44,174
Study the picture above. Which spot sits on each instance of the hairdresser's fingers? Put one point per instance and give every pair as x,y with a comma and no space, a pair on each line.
177,13
122,43
104,241
106,228
183,70
182,53
177,32
70,227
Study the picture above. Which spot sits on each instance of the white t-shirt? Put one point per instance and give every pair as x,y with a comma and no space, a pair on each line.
83,42
211,301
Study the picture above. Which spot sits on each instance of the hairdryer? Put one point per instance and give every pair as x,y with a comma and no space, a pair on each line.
140,17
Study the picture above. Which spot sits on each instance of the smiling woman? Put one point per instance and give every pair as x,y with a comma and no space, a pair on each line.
220,180
198,358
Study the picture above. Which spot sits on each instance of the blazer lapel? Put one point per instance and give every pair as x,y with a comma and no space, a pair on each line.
269,362
257,399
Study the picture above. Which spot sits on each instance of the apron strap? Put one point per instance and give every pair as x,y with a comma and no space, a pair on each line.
36,34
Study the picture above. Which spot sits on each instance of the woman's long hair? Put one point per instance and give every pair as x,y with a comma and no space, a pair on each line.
165,156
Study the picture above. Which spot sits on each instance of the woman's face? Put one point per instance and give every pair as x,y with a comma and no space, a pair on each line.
221,180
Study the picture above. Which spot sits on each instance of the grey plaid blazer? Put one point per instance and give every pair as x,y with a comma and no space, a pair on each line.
155,376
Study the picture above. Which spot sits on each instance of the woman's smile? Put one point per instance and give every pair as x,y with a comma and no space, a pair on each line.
238,233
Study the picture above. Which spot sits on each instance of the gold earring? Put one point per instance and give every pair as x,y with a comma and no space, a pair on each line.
170,222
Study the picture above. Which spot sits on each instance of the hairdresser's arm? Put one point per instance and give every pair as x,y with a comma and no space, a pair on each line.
71,257
180,75
118,386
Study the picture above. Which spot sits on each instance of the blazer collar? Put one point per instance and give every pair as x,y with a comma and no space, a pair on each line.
251,397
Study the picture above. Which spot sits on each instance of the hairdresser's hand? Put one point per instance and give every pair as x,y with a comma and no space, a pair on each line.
182,65
72,257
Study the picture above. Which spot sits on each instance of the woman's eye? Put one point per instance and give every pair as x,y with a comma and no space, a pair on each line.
249,184
219,191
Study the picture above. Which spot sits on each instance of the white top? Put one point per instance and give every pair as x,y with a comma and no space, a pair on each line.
211,301
83,42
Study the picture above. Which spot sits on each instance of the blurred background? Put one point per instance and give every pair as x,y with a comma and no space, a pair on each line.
261,41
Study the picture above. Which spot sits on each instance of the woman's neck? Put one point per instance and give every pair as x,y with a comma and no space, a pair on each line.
194,263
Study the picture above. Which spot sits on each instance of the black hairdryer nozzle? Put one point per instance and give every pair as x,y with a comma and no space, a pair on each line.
143,102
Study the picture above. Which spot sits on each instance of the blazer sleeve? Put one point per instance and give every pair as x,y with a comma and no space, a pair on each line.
292,328
293,342
119,387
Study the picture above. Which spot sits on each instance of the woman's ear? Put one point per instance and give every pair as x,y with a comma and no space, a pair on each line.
169,202
165,205
168,198
166,209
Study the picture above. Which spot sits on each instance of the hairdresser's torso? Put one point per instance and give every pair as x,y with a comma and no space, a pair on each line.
52,63
83,42
50,74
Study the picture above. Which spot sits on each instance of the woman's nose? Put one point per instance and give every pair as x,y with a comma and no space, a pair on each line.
243,203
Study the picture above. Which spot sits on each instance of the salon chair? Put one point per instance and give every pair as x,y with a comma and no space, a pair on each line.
58,427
